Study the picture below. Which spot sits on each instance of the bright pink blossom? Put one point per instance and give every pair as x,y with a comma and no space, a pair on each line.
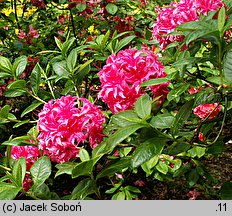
63,126
30,153
122,75
203,110
184,11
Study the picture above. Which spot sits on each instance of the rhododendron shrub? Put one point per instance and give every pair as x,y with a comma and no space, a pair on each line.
64,127
122,75
184,11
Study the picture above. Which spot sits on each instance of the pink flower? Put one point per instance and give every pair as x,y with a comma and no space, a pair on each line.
139,183
63,127
193,194
203,110
32,32
201,137
122,75
30,153
184,11
193,90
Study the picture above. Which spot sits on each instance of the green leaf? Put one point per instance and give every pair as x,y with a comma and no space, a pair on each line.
72,60
67,45
153,82
192,177
119,196
197,151
124,42
59,44
40,171
174,93
83,71
227,66
5,65
83,189
85,168
143,106
221,19
162,167
132,189
217,148
19,65
4,112
43,192
30,108
125,118
21,123
111,169
81,7
35,78
61,69
65,168
84,155
147,150
182,116
226,191
8,191
177,148
19,171
105,39
162,121
14,92
111,8
4,75
18,84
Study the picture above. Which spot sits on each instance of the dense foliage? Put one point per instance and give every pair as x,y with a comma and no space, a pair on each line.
98,95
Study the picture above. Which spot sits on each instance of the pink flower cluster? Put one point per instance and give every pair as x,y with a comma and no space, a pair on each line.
31,154
122,75
204,110
184,11
63,127
31,34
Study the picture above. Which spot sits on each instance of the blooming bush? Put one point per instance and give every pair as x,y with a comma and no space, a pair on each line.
107,110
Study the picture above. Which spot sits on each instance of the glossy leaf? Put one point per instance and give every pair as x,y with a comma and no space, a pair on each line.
19,65
177,148
153,82
111,8
221,19
143,106
174,93
162,121
5,65
182,116
19,171
4,111
147,150
30,108
35,78
162,167
14,92
124,42
65,168
84,155
18,84
40,171
111,169
227,66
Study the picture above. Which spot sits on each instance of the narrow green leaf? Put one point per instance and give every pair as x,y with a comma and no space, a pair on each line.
105,39
177,148
143,106
221,19
174,93
19,171
67,45
156,81
30,108
40,171
35,78
227,66
111,169
59,44
72,60
147,150
182,116
21,123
